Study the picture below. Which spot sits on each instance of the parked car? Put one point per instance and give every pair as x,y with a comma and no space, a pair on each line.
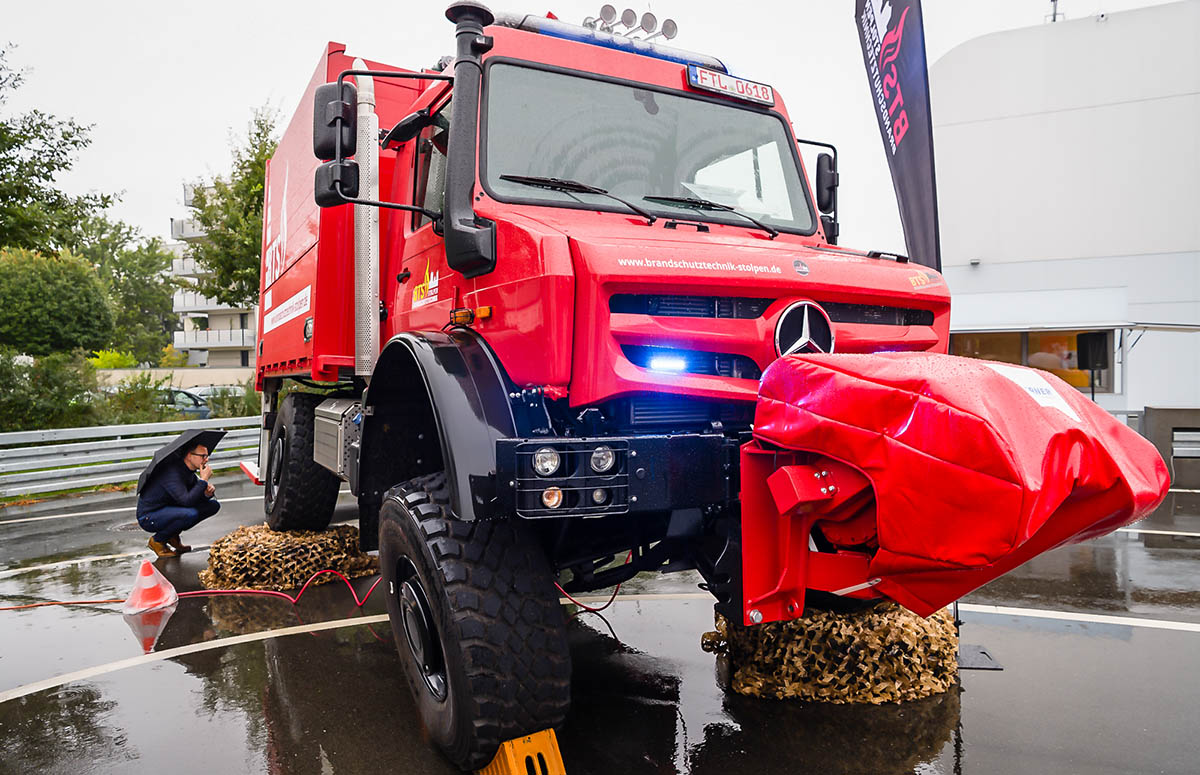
208,391
185,402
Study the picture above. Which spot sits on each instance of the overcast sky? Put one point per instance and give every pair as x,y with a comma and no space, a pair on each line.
166,84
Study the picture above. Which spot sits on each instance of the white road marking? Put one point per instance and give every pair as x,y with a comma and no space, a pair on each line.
5,574
1158,532
1180,489
120,509
10,572
1070,616
108,511
158,656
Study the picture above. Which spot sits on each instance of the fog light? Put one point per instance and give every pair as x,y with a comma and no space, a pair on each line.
552,498
599,497
545,461
602,459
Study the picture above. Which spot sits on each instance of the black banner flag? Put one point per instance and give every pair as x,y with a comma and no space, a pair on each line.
893,42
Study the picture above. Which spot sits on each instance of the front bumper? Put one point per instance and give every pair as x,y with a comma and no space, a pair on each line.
651,473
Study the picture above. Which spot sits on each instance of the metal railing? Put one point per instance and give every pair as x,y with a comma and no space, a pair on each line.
34,462
231,337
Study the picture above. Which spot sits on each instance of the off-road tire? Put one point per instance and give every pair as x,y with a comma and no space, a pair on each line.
499,626
299,494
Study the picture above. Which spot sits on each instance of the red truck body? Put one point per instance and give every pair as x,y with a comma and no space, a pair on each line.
637,365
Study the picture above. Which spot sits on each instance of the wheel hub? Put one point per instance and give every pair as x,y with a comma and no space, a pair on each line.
420,632
275,467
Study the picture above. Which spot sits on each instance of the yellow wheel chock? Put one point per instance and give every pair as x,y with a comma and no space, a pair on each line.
535,754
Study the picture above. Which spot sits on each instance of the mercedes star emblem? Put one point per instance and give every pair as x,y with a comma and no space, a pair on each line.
803,328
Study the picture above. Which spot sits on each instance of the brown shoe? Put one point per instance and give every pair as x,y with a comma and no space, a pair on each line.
162,550
177,544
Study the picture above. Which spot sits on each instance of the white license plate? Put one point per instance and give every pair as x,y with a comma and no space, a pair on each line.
723,83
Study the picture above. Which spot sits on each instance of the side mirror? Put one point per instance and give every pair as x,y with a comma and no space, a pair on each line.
827,183
407,128
829,225
328,107
332,176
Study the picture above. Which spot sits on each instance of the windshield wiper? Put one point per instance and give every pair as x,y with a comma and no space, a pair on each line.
575,187
705,204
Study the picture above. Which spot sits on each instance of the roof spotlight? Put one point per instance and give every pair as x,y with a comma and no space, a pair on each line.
629,17
649,22
608,14
669,29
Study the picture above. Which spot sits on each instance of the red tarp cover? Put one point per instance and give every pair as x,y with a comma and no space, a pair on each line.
977,466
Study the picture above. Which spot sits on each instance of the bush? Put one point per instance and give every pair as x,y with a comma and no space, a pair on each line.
229,403
54,391
172,358
136,399
111,359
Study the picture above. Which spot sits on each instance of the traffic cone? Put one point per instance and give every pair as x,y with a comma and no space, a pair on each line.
149,625
151,590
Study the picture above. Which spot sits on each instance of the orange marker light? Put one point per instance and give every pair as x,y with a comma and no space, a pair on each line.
462,316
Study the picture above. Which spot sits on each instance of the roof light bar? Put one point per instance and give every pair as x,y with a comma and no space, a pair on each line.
596,37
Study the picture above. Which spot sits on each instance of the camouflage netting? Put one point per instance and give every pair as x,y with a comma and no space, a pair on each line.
260,558
883,654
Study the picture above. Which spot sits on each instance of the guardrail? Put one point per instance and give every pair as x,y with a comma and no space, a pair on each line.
34,462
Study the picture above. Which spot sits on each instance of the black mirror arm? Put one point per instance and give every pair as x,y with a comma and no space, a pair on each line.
431,214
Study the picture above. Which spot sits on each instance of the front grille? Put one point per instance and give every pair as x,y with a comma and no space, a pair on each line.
877,314
694,361
672,306
664,410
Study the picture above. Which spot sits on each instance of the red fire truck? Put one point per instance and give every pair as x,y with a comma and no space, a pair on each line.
532,313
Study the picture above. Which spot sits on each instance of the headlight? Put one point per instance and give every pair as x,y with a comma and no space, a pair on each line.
552,498
546,461
602,459
599,497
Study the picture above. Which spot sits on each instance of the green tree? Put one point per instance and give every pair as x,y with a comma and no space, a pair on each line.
136,274
231,213
36,147
51,303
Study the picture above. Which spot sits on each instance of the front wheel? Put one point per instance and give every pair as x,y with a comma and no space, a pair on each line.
475,618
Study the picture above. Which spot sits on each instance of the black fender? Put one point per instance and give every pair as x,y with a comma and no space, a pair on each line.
461,380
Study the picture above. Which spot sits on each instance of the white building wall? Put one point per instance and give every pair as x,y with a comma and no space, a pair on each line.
1069,175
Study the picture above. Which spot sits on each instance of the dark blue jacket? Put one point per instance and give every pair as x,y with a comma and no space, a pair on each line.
173,484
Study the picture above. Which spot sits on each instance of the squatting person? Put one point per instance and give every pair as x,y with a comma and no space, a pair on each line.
177,498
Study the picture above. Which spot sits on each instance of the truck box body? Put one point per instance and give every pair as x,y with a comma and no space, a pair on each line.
307,251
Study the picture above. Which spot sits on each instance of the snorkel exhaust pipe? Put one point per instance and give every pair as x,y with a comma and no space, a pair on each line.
470,240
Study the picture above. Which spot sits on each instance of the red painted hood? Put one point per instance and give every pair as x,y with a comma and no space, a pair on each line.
976,466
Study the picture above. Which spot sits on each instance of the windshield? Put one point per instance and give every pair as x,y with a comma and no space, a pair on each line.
636,143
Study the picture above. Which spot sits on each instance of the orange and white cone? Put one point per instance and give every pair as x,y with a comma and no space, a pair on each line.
151,590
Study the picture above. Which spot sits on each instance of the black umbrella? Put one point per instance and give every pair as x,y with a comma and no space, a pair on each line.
177,447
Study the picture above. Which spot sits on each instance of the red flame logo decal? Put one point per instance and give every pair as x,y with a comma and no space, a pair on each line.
889,49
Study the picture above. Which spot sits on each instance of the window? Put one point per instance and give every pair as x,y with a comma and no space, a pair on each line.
1054,351
636,142
430,178
245,357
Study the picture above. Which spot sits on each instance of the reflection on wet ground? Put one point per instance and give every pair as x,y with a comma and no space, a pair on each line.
1079,697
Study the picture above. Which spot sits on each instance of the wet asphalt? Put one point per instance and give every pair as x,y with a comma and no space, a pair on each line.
1101,670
